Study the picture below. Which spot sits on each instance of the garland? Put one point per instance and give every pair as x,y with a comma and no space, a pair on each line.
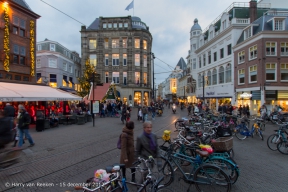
6,40
32,48
112,86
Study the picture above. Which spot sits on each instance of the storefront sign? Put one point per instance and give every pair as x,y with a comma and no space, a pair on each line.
210,93
95,107
222,93
245,95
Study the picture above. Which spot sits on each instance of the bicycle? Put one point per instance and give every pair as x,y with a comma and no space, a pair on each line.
278,137
242,131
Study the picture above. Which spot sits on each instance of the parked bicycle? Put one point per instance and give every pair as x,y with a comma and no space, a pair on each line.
242,131
279,136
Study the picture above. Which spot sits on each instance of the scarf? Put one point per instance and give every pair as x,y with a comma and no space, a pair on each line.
152,142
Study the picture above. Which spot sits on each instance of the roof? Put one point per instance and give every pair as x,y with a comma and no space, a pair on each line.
196,26
94,24
22,3
99,92
182,64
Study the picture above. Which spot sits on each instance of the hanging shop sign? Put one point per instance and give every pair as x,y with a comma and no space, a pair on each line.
245,95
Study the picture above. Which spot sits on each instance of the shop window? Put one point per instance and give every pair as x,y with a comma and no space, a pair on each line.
106,45
8,76
106,59
270,72
137,43
253,74
115,77
145,79
199,61
209,78
146,98
221,75
209,57
125,78
284,49
144,44
92,44
17,77
144,60
115,59
241,57
271,48
124,59
93,59
284,71
64,81
228,73
137,78
115,43
106,77
253,52
137,98
214,77
241,76
25,78
124,43
137,59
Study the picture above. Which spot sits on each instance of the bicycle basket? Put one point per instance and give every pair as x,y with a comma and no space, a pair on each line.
223,144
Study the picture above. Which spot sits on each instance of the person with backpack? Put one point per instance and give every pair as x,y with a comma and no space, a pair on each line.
127,148
23,125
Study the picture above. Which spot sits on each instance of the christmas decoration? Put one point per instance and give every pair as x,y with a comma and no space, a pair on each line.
112,89
6,40
85,80
32,48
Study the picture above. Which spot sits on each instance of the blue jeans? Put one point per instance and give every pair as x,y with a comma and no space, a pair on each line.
153,114
21,132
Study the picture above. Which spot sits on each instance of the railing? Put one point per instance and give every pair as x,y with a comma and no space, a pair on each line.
240,21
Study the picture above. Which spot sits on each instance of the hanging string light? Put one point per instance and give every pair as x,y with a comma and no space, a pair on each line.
32,48
6,40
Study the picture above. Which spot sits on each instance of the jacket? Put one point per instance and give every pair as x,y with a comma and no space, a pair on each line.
143,147
24,120
127,147
9,111
5,132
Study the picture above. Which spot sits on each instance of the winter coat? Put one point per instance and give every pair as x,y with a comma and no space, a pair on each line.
24,120
127,147
5,132
143,147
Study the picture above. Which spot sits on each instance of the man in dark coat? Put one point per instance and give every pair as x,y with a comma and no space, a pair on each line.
5,131
10,113
23,125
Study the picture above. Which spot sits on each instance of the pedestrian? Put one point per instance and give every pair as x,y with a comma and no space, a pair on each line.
127,149
153,109
189,109
123,113
5,131
140,114
9,112
145,113
240,110
247,110
23,124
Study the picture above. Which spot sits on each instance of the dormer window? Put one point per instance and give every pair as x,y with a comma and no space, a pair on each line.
248,32
279,24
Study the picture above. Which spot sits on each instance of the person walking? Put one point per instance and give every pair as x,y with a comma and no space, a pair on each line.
5,131
145,113
153,109
127,149
23,124
123,113
9,112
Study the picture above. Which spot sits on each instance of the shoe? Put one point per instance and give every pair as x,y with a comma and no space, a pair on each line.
31,145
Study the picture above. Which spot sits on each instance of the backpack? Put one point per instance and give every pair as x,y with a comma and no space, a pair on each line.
119,141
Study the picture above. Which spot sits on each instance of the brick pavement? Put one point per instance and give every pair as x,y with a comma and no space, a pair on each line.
71,153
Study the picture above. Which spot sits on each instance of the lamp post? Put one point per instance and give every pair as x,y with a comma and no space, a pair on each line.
92,101
153,57
184,94
203,89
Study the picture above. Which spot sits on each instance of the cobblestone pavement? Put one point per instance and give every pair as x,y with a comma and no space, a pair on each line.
70,154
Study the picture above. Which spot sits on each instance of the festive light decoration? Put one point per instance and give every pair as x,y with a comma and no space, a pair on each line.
84,81
6,40
32,48
113,88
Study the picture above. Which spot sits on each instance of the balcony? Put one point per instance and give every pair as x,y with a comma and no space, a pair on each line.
240,21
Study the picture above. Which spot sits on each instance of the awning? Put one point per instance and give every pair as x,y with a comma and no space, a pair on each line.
99,92
68,90
10,92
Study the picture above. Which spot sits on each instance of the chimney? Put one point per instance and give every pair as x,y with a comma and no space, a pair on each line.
253,10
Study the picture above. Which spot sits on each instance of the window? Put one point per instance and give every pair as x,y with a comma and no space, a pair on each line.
253,74
270,48
199,80
228,73
137,43
270,72
92,43
221,75
70,68
144,44
38,63
106,77
19,54
115,43
25,78
248,33
17,77
65,66
241,57
241,76
137,78
39,77
106,45
137,59
114,25
221,53
71,82
125,25
104,25
214,77
284,71
194,63
120,25
65,81
124,59
145,79
39,47
52,47
144,60
93,59
208,78
106,59
115,59
204,60
115,77
211,34
19,26
52,63
279,24
110,25
53,80
199,61
209,57
223,24
194,47
253,52
125,78
124,43
215,56
284,49
229,49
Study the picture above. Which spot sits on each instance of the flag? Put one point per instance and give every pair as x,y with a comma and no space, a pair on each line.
130,6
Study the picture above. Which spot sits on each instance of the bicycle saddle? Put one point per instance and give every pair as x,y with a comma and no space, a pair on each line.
197,124
202,153
120,165
189,138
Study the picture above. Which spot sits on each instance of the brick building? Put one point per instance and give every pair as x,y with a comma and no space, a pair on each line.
18,40
120,50
261,62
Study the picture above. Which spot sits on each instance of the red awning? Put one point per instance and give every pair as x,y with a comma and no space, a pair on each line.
99,92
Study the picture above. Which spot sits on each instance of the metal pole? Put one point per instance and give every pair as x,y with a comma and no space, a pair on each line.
93,98
184,94
203,89
153,76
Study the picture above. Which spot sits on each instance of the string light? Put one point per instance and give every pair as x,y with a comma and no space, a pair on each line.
32,48
6,39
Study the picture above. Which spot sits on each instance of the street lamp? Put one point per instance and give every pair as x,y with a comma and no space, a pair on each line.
153,57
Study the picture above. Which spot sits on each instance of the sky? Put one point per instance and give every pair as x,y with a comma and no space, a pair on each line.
169,23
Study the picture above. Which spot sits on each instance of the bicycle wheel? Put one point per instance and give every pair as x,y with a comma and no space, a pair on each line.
167,171
177,125
273,140
211,178
239,134
227,166
283,147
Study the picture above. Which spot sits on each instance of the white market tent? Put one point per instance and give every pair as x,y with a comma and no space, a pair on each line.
10,92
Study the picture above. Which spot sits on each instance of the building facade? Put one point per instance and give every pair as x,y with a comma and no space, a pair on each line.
261,62
57,66
120,49
18,41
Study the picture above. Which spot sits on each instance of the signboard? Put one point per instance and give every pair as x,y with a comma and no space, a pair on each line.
245,95
95,107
